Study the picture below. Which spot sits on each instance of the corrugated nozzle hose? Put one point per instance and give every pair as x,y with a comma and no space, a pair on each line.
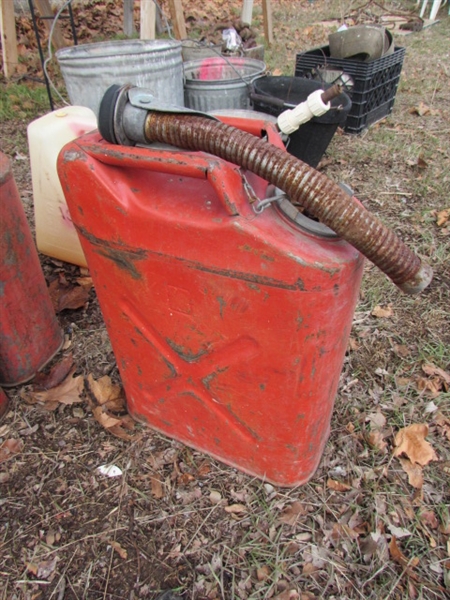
316,193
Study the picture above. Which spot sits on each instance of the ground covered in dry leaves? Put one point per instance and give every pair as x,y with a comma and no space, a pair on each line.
95,506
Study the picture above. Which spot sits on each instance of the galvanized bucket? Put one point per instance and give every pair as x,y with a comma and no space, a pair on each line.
216,83
193,50
90,69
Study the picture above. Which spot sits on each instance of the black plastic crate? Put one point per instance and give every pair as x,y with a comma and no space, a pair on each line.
375,83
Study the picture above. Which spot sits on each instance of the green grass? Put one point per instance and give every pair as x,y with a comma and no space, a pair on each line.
437,353
18,100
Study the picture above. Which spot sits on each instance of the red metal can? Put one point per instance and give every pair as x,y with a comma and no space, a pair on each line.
4,403
29,331
229,327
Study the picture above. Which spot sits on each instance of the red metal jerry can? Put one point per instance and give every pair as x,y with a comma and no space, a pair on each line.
229,327
30,334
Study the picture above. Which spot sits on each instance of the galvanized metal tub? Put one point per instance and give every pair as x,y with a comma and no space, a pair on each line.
90,69
193,50
216,83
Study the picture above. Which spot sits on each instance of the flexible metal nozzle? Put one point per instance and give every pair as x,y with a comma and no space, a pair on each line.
320,196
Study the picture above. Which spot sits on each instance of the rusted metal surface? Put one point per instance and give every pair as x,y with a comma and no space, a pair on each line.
332,92
29,332
320,196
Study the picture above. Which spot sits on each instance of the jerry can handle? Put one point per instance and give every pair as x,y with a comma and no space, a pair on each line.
227,180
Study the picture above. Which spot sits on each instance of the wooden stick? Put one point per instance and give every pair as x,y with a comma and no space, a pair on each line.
267,14
148,20
8,37
45,10
128,22
176,13
247,11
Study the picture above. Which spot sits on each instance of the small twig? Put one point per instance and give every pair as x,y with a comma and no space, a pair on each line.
87,537
395,194
435,89
380,570
199,527
399,578
62,580
63,588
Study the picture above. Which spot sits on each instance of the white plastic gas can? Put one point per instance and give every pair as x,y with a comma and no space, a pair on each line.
56,235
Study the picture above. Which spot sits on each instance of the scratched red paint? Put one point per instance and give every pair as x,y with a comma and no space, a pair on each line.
229,328
29,332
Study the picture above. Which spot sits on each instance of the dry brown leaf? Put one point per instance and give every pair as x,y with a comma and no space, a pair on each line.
165,457
308,596
338,486
120,431
430,386
85,282
105,419
67,392
429,518
309,568
443,423
401,350
263,573
65,296
291,549
215,497
204,469
55,376
411,441
116,405
46,568
398,556
287,595
50,538
368,546
403,382
10,448
421,162
432,370
236,508
382,312
4,477
185,478
43,570
421,109
353,344
445,529
32,568
104,389
377,420
414,472
343,532
417,499
119,549
442,217
108,405
376,440
291,513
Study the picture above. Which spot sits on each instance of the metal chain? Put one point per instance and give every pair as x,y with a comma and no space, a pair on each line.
263,204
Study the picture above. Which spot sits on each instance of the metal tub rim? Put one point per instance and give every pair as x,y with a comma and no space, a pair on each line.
120,47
